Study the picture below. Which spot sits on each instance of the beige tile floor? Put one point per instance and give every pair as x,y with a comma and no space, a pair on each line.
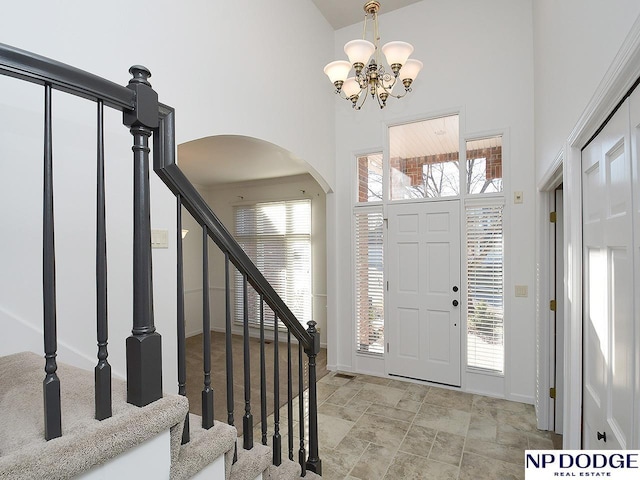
379,428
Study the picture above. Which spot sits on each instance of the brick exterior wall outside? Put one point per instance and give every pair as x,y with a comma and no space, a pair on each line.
494,160
363,179
413,167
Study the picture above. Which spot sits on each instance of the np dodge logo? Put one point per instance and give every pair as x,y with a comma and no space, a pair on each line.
610,464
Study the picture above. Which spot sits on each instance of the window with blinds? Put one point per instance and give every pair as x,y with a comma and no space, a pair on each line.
485,306
277,237
369,281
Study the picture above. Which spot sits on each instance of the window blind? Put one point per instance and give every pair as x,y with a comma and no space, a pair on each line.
277,237
369,282
485,306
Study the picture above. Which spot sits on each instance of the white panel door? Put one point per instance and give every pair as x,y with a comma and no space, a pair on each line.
608,326
423,270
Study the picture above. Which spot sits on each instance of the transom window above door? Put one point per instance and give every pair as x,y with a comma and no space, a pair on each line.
424,159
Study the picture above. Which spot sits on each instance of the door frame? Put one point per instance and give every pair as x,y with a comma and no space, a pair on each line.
546,259
620,77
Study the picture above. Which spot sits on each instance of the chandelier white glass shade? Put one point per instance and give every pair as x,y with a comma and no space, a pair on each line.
370,77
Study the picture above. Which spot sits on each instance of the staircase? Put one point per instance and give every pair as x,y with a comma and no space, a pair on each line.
69,422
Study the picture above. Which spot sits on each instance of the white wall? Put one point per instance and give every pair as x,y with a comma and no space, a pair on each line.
575,42
196,51
478,60
586,57
222,199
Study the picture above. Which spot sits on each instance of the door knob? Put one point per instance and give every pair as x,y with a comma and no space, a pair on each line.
602,436
455,288
455,303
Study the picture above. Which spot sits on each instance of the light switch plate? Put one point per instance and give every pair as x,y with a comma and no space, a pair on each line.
522,291
159,238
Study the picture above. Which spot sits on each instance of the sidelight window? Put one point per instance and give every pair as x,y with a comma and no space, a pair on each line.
485,295
369,280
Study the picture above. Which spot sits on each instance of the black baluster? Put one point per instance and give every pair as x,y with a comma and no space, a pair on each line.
229,350
302,454
263,378
144,346
51,383
247,419
313,463
289,397
102,371
182,350
277,440
207,392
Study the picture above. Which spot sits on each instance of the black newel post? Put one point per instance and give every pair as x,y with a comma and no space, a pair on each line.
313,462
144,350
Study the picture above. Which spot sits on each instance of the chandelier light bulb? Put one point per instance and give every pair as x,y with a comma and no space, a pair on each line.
351,87
337,72
359,51
409,71
397,54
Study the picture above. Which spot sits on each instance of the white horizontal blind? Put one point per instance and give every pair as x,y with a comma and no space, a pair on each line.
369,282
277,237
485,306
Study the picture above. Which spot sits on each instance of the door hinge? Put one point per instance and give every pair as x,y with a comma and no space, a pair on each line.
387,347
553,217
552,392
552,305
387,285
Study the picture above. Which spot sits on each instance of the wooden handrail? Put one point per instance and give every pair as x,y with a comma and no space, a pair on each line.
34,68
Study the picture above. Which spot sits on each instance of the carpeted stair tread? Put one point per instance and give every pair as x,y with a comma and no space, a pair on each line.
250,463
203,448
85,442
288,470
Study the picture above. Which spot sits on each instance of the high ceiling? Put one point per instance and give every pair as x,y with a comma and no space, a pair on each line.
341,13
215,160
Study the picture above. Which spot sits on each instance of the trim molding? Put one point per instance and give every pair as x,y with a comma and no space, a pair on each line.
622,74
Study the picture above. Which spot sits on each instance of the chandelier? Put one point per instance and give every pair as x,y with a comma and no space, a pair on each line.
370,76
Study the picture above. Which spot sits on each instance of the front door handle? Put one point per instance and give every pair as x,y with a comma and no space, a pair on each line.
455,303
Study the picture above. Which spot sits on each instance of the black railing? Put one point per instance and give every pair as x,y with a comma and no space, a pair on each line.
308,340
147,118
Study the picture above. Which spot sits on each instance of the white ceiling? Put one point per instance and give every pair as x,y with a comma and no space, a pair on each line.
233,158
341,13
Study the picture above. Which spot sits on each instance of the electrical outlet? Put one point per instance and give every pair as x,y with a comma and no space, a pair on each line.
518,197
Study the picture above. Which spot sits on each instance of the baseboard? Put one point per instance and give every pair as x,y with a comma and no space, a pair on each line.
343,368
521,398
193,333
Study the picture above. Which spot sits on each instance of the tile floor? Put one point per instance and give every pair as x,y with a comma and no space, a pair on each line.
379,428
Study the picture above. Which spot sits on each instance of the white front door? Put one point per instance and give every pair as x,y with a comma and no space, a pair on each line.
608,330
423,271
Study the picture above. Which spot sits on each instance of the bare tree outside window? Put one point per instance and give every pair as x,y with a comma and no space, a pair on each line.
484,165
